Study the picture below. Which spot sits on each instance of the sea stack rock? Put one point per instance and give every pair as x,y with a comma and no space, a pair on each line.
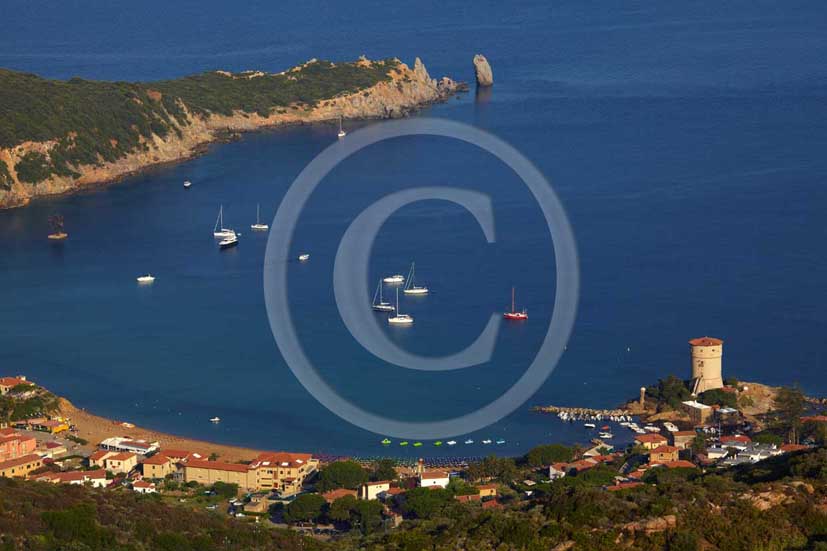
483,70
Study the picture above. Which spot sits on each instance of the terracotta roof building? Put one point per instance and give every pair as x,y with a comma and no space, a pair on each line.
650,440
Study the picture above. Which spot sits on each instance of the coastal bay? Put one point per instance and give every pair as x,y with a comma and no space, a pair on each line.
664,158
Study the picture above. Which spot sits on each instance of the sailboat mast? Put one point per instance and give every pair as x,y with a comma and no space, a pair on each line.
512,300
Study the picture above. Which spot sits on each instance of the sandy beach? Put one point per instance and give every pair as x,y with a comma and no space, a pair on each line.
94,429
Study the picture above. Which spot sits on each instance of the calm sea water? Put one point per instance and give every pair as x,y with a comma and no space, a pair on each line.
686,142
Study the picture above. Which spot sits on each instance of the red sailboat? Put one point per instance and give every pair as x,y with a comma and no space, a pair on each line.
513,314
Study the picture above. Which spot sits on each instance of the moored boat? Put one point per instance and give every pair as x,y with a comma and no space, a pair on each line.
410,287
148,278
514,314
399,319
381,305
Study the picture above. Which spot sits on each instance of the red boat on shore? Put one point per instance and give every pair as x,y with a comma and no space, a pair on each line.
513,314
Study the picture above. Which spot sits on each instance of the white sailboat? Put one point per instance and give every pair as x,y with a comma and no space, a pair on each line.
258,226
381,306
187,184
342,132
410,287
148,278
304,257
219,230
399,319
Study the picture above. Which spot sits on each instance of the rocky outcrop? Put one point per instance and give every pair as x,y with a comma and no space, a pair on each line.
406,91
483,70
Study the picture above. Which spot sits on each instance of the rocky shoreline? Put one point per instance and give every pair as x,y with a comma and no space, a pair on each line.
407,90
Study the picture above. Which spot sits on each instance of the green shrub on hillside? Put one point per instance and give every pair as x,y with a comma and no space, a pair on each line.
96,121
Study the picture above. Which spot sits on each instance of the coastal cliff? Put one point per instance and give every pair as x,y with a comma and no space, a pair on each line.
59,136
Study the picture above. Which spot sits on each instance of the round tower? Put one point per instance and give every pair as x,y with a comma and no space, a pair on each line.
706,364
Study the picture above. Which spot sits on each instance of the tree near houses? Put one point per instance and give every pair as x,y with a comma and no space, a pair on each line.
548,454
790,405
384,469
342,474
306,507
341,509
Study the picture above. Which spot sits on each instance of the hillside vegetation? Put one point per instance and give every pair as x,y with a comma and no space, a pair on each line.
40,516
91,122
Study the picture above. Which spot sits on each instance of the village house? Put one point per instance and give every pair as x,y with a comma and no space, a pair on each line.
97,479
650,440
13,444
122,462
557,470
433,478
20,466
126,444
487,490
338,493
52,450
8,383
52,426
372,490
683,439
278,471
663,454
698,413
144,487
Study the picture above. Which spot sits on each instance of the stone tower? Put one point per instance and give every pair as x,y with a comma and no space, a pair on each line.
706,364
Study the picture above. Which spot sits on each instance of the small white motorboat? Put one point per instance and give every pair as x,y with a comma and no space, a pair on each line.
451,442
395,279
215,420
148,278
589,425
258,226
229,241
469,441
605,435
187,184
399,319
304,257
486,441
500,442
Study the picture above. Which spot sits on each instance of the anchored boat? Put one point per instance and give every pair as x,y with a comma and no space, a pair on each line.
381,306
410,287
514,314
399,319
258,226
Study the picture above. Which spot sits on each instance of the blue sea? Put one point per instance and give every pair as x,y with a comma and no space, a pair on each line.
686,141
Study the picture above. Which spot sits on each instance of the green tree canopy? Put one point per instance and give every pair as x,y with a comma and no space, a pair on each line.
384,469
342,474
549,453
426,502
306,507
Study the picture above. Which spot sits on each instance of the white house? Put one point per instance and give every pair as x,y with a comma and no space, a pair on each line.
434,478
97,479
372,490
125,444
143,487
556,470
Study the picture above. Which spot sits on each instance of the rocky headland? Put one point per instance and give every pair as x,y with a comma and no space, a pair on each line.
47,147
